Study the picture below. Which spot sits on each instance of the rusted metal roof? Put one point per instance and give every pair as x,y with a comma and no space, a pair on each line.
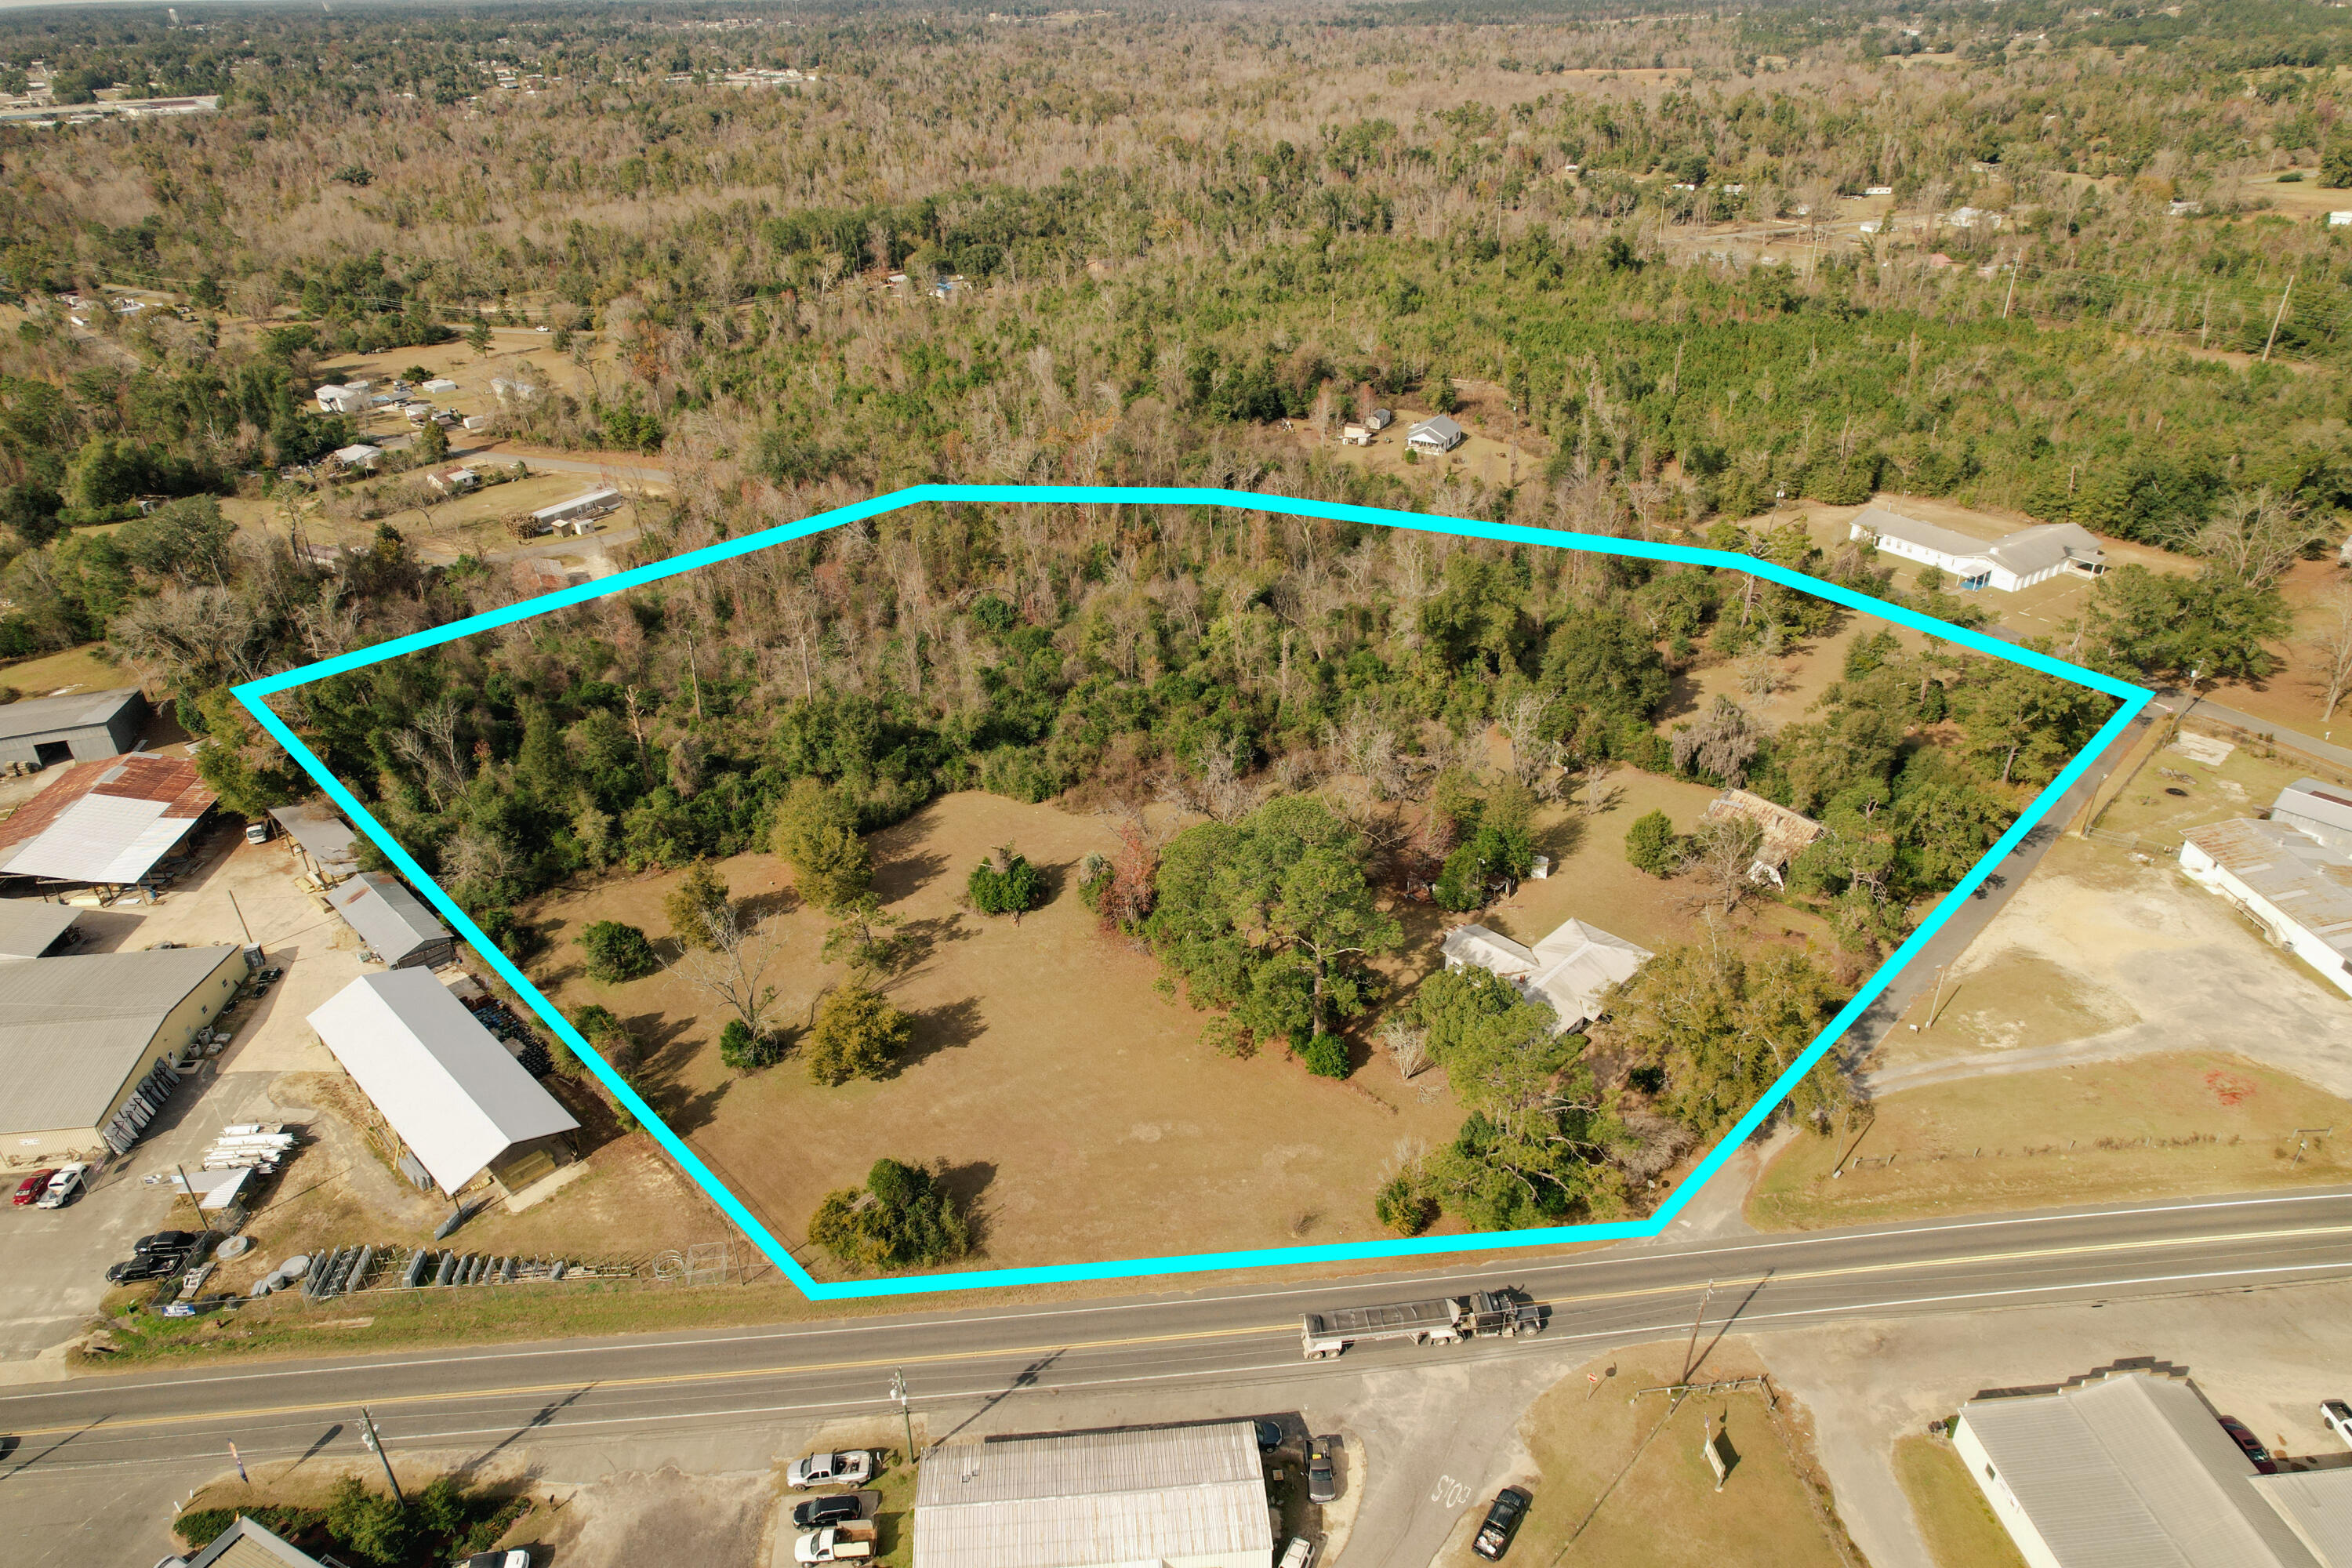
106,821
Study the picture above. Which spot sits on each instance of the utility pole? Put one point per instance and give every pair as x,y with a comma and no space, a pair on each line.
2014,268
2284,295
1691,1349
1936,1005
240,915
375,1446
906,1410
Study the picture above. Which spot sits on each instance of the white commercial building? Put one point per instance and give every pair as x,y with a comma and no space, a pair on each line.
590,503
2294,885
1572,969
2029,556
457,1097
2135,1471
1170,1497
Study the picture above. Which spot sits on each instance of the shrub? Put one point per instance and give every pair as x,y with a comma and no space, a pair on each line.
1325,1055
1006,885
741,1050
1403,1208
698,896
1095,875
1652,844
902,1216
857,1035
617,952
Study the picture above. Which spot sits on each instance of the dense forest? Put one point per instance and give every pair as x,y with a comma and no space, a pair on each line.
1178,246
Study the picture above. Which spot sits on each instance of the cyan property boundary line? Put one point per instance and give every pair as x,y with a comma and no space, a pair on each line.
253,694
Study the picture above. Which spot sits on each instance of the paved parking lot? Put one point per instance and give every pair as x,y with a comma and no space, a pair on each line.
57,1258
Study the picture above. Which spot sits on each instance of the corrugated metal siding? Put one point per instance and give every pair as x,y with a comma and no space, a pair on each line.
72,1030
388,916
1095,1498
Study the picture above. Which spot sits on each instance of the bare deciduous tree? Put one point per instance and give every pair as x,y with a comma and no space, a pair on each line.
1720,855
2331,638
1522,724
2253,538
733,970
1407,1044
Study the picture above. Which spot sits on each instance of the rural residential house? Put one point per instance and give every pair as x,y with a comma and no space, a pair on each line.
1785,833
2019,561
1572,969
1435,433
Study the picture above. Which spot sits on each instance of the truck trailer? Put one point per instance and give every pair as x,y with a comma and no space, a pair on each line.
1504,1315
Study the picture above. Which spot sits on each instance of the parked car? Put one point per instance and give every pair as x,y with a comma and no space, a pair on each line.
2337,1416
30,1189
2250,1445
64,1187
1503,1516
1300,1553
258,830
165,1241
1269,1435
848,1543
1322,1482
831,1470
512,1557
146,1266
820,1511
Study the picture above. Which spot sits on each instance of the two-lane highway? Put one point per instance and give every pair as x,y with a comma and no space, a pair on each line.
792,1374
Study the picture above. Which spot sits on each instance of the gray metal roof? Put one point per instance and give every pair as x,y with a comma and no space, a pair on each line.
453,1093
1091,1499
2028,550
73,1029
75,710
28,926
2322,810
2132,1472
388,916
2305,881
244,1544
322,835
1440,427
2318,1506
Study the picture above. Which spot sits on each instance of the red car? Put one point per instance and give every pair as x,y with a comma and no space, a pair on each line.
32,1187
2250,1445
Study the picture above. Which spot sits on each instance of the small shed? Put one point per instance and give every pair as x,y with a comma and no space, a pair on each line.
457,1097
390,920
1378,420
46,730
329,849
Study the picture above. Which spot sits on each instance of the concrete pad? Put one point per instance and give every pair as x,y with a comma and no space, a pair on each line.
634,1517
547,1186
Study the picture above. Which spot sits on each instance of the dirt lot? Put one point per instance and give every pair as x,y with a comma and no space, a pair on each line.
2296,696
1622,1479
2179,789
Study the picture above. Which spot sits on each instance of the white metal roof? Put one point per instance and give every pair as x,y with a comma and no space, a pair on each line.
2132,1472
388,916
1570,969
107,838
451,1091
50,715
28,926
602,497
2322,810
2308,882
1093,1498
73,1029
2318,1506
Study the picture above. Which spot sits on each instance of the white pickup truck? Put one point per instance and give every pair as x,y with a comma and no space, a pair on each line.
851,1542
853,1469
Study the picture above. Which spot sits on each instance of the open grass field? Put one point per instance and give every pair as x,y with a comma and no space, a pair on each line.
2156,1126
2176,791
84,669
1624,1481
2296,696
1959,1528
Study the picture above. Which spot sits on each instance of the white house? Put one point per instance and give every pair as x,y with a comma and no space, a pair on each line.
1435,433
359,456
1572,969
2294,885
453,481
343,399
2030,555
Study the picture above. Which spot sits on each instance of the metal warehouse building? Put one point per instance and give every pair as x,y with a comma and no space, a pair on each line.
105,823
48,731
2134,1471
392,922
79,1036
1175,1497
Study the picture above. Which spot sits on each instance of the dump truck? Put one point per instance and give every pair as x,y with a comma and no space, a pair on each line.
852,1541
1505,1314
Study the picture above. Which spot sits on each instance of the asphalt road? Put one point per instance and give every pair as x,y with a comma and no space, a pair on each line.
98,1437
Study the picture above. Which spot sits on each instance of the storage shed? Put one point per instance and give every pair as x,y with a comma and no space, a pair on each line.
328,847
1176,1497
46,730
452,1093
394,921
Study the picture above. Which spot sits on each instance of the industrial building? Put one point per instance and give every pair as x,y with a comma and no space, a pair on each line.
46,730
2135,1471
392,922
1175,1497
80,1036
1572,969
105,823
33,928
2295,885
449,1091
2018,561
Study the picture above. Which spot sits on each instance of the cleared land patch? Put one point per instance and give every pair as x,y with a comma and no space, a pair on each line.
1959,1528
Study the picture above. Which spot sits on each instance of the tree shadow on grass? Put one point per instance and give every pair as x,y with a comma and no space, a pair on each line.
665,1050
900,875
949,1027
761,907
967,1184
918,941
